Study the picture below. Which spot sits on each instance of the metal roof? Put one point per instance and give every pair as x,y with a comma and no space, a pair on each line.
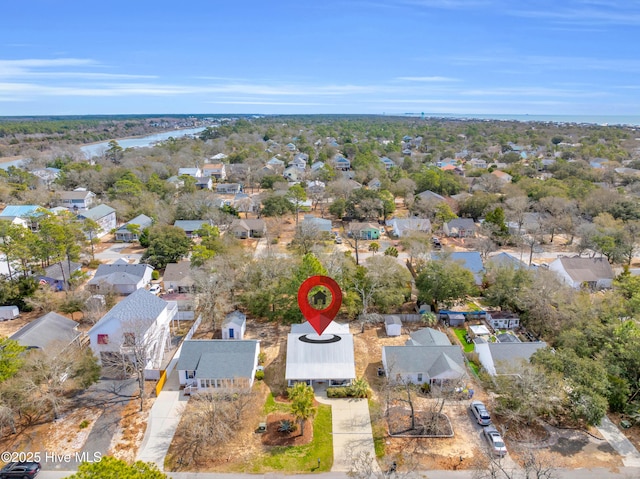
320,361
98,212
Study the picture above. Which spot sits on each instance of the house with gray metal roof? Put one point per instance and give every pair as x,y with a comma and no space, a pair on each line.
49,331
124,234
191,226
327,359
120,277
503,357
102,214
428,337
140,321
579,272
217,364
57,275
424,364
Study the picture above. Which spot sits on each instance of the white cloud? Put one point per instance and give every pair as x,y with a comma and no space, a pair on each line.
428,79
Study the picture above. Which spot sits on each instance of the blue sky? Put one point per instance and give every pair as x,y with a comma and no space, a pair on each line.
563,57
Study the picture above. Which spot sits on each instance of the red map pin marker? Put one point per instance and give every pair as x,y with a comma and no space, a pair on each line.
319,318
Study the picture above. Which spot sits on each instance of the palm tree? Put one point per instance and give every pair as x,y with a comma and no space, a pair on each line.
302,398
374,247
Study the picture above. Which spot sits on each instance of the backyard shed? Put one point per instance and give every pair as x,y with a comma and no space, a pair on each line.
393,325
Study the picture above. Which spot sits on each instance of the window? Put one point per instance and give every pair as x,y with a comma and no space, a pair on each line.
191,374
103,339
419,377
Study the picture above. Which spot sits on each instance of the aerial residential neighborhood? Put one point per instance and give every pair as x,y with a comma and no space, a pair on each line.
487,320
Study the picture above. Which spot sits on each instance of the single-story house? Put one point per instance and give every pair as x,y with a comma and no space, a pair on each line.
58,274
322,225
424,364
579,272
104,215
244,228
506,260
178,278
234,325
471,260
124,234
401,226
78,199
430,197
191,226
49,331
502,357
393,325
217,364
502,320
366,231
311,361
120,277
228,188
428,337
204,183
460,228
140,321
195,172
502,176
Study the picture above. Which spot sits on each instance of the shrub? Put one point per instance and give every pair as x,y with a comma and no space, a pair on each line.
287,426
260,375
94,263
262,356
359,389
425,388
84,424
155,274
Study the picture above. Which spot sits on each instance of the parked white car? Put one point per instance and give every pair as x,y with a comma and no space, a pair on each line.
155,289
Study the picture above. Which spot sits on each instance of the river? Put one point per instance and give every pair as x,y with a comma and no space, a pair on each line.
97,149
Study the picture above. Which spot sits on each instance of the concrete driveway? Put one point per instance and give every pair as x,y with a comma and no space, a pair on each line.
115,252
352,434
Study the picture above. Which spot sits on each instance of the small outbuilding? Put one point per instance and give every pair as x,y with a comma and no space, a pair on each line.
9,312
393,325
234,325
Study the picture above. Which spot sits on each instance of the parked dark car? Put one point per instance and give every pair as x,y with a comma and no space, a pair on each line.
20,469
480,412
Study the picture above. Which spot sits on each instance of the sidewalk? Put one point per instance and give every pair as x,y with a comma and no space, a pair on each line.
352,434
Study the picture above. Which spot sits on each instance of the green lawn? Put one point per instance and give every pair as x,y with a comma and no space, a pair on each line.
461,333
298,459
271,405
378,429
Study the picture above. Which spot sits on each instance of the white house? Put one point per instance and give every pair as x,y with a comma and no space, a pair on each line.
78,199
234,325
195,172
215,170
311,359
104,215
578,272
217,364
139,322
